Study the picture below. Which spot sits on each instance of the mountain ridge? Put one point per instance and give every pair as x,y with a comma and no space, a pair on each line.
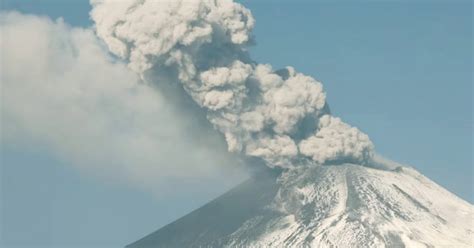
326,206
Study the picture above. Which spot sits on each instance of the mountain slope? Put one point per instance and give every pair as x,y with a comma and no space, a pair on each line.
327,206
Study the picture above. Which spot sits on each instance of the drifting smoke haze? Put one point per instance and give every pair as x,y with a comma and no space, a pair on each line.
280,116
64,94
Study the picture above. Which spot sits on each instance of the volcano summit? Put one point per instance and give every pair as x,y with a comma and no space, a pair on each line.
344,205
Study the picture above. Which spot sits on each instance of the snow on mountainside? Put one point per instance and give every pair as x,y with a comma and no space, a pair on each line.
326,206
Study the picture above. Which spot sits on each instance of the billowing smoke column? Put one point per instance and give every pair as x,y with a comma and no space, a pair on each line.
279,116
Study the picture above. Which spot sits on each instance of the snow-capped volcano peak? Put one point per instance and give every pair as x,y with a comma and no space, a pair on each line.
355,206
326,206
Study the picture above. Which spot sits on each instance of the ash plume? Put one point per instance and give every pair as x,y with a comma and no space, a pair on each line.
280,116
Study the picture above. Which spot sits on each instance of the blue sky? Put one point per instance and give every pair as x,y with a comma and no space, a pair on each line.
410,61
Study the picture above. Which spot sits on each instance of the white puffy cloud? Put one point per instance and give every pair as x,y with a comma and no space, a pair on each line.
276,150
62,92
235,75
260,111
336,140
295,98
130,28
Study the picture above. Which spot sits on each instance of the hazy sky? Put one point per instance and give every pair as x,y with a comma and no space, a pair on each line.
411,62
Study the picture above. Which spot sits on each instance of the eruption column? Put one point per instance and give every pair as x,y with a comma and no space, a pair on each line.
280,116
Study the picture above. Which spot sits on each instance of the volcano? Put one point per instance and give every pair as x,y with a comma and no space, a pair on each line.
345,205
